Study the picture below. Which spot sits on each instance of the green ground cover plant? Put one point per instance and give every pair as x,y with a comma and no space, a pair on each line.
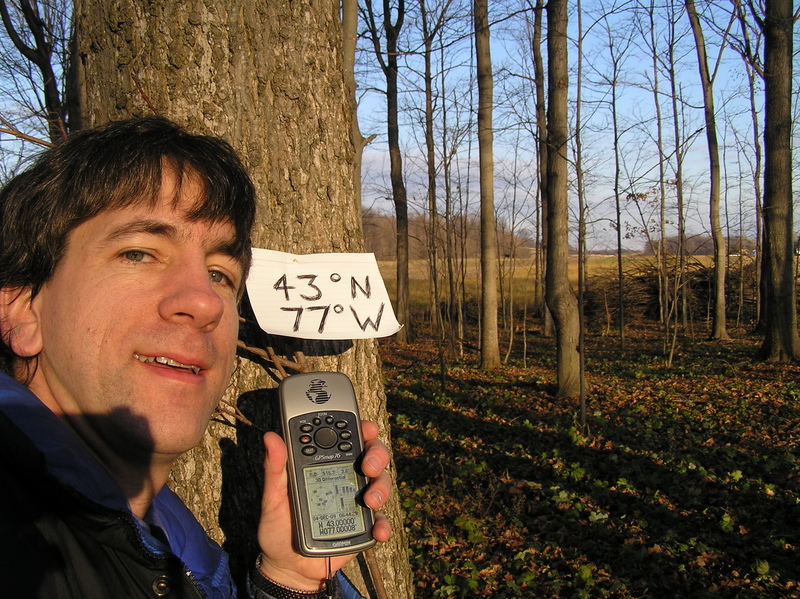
683,484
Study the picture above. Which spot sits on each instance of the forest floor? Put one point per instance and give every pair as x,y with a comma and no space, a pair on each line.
685,481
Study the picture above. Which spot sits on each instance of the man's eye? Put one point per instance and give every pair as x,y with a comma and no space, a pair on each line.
218,277
135,255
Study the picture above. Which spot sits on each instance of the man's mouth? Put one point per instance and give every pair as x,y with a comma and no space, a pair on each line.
167,362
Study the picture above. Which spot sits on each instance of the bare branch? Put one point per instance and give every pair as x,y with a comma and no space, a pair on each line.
10,129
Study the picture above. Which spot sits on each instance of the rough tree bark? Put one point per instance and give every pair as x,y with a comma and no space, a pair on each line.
267,77
781,341
560,298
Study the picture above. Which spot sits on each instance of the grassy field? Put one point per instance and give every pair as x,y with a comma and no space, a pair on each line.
523,271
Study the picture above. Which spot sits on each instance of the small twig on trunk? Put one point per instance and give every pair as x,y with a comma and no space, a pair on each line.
230,409
142,93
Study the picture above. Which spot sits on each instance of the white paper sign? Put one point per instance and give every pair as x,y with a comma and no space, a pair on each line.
320,296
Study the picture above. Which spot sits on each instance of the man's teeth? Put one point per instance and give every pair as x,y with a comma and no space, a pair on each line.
167,362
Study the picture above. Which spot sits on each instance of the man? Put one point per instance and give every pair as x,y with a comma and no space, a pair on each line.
123,255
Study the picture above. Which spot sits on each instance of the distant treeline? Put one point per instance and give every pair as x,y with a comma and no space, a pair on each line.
703,245
465,234
380,231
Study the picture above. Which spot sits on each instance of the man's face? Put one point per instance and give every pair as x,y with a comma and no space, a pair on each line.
139,326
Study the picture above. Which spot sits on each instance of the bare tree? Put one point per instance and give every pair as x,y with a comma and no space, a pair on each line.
40,33
560,298
749,46
750,52
432,24
428,35
677,312
646,25
756,168
451,133
618,44
490,345
581,190
781,341
541,128
719,328
388,61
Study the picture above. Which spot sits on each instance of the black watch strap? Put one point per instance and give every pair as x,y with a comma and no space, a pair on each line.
278,591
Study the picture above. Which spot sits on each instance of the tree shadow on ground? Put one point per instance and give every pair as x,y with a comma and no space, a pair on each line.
648,514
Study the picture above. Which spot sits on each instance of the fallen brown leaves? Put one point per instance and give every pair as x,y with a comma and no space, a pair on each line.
683,484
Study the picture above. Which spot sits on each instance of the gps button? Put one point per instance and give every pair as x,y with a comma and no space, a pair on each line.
326,437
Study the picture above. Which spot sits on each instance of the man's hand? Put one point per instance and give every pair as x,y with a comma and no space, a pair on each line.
280,562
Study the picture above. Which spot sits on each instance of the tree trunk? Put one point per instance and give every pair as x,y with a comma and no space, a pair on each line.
437,325
250,72
582,210
614,83
490,347
753,66
453,303
659,249
541,128
751,78
389,67
718,329
560,299
781,342
400,199
676,312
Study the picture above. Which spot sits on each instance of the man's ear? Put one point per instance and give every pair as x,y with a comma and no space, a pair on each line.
19,322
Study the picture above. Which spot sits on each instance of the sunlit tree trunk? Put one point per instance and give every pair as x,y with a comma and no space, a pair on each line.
282,101
490,347
541,127
579,179
719,328
560,299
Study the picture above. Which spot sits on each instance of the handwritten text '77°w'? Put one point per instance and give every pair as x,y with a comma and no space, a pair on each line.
320,296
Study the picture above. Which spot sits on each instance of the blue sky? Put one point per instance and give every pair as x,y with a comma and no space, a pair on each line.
514,158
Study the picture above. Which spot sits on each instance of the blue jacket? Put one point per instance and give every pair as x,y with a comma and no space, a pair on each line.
66,529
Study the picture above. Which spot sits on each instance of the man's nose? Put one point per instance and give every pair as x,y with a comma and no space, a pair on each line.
191,298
